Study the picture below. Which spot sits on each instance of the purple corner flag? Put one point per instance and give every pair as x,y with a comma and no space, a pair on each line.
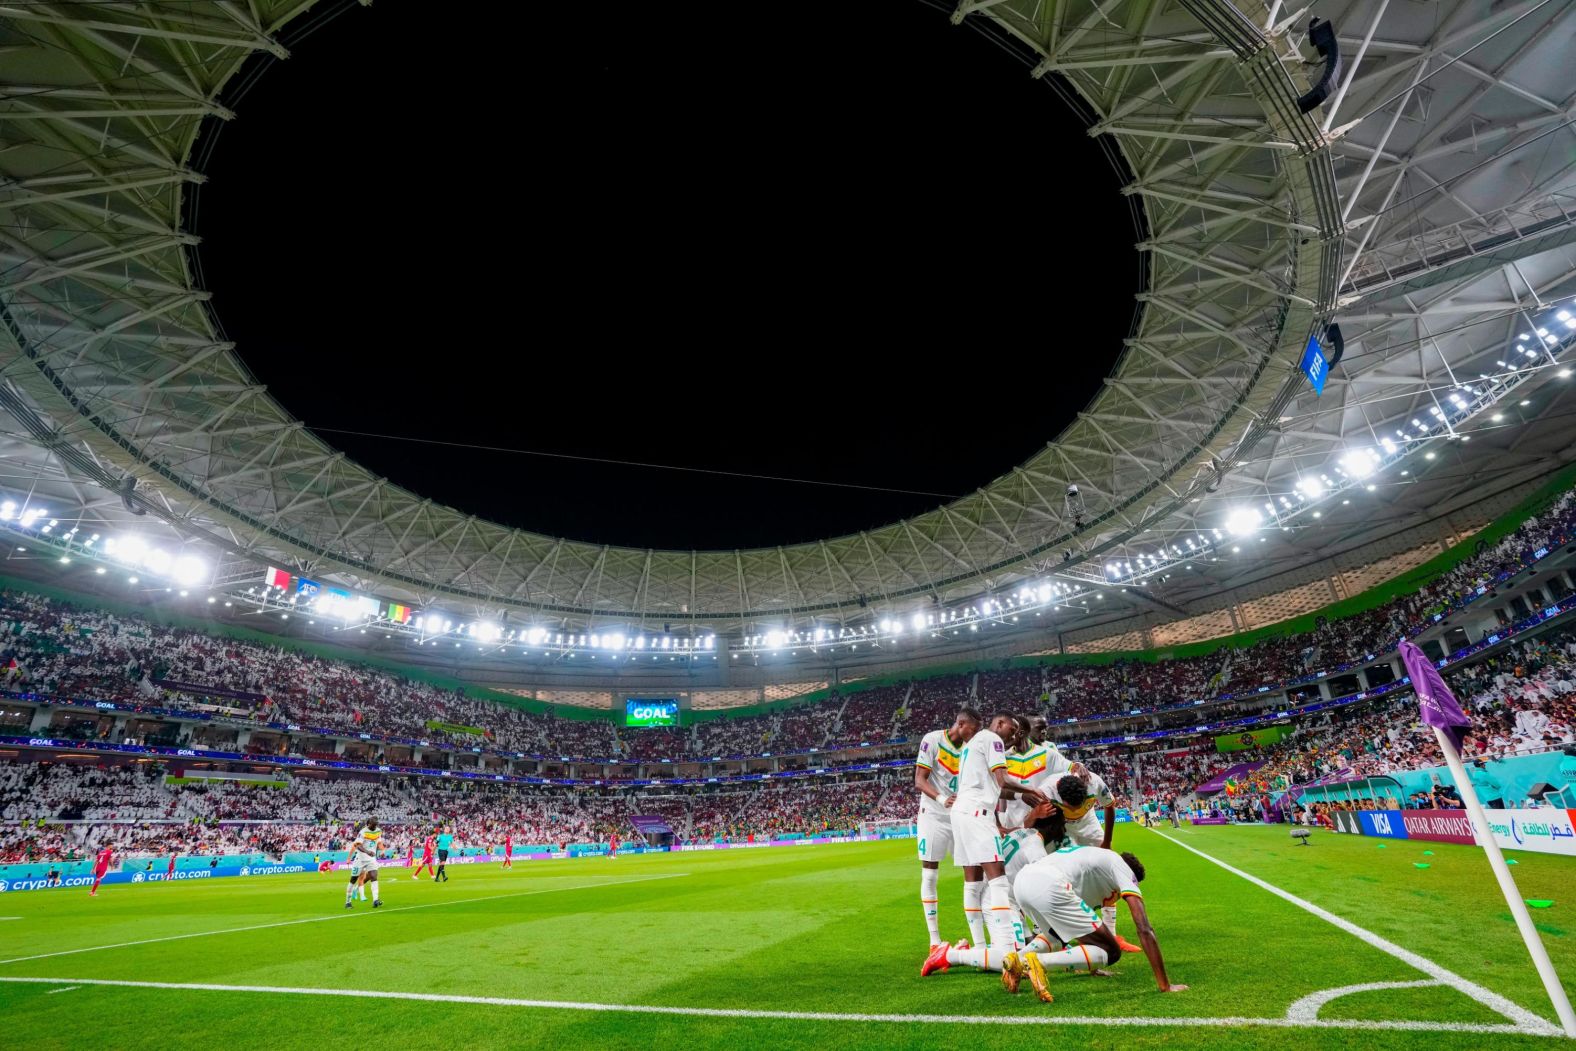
1439,706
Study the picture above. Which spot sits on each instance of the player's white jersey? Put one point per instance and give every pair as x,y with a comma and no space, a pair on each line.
1037,767
1084,823
368,838
1098,876
938,755
977,788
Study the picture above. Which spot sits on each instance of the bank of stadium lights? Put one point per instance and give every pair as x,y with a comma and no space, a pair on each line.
1359,466
130,552
986,611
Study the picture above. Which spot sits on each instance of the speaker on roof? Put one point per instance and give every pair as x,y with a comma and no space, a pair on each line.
1322,35
128,486
1337,343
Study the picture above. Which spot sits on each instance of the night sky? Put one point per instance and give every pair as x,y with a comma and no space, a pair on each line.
861,247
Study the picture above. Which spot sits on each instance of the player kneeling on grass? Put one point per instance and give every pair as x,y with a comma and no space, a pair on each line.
1060,893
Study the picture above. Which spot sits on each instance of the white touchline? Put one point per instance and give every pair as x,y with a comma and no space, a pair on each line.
1307,1009
1514,1011
810,1016
343,916
67,989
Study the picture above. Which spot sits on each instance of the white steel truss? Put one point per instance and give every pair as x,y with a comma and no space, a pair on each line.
1403,208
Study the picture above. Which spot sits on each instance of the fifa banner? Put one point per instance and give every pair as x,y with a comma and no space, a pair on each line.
1250,739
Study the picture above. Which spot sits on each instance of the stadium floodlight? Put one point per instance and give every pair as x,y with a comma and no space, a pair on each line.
488,631
7,510
31,515
156,561
1243,521
1360,463
774,639
614,641
189,569
1312,487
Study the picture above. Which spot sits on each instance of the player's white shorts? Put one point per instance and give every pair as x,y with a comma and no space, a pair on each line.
935,836
1045,895
361,863
1021,847
975,838
1087,831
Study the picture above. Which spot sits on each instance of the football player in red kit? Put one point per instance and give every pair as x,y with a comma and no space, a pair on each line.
426,859
100,869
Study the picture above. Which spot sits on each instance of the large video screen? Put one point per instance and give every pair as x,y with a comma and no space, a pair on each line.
651,711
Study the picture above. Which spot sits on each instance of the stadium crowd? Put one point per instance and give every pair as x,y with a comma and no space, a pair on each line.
57,810
56,649
1522,699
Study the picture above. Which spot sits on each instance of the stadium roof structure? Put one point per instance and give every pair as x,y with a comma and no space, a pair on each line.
1428,206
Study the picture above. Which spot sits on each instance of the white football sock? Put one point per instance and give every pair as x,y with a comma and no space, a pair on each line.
1108,916
928,878
973,910
1076,958
361,892
375,895
998,915
350,893
1020,922
1040,943
983,958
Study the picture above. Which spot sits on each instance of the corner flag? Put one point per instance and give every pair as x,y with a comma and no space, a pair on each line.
1439,706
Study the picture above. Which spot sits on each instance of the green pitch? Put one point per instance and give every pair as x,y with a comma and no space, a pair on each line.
833,931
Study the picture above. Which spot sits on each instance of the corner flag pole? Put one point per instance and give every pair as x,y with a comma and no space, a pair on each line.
1507,884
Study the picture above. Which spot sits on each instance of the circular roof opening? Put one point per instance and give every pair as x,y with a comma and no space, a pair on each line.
685,284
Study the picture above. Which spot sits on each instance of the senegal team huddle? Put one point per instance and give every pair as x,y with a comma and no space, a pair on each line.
1041,882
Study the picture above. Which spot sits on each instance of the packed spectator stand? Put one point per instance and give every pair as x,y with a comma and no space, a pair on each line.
1521,698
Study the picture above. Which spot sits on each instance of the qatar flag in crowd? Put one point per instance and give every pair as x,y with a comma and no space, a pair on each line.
1439,707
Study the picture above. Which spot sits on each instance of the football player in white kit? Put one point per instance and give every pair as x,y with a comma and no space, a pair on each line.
1061,892
936,778
976,839
364,862
1031,764
1078,803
